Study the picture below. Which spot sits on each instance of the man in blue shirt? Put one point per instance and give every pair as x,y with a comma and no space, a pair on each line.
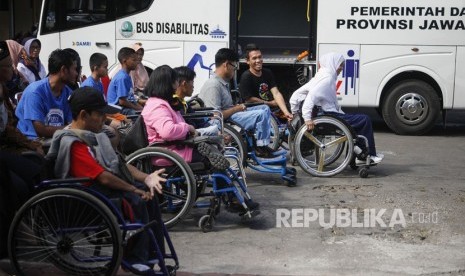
44,107
121,90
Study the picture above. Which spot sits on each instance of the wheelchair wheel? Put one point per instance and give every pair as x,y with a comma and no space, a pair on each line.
275,136
325,151
179,191
237,141
69,229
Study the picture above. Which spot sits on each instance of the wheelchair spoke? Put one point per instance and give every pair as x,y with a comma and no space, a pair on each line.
321,159
312,138
336,141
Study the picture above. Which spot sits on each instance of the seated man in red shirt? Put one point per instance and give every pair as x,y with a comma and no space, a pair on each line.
82,151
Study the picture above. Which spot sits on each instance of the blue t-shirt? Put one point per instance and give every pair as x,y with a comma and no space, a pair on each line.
120,87
38,104
97,84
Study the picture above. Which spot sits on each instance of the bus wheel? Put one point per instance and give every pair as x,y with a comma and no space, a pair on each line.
411,107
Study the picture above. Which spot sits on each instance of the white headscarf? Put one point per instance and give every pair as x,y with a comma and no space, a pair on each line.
330,62
321,89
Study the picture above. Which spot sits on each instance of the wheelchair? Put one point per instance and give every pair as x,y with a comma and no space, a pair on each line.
188,182
329,148
244,142
79,231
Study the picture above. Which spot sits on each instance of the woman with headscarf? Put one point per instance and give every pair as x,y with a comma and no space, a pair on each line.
321,91
18,81
30,66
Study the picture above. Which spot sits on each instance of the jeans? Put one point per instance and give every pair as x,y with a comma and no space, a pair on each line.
255,118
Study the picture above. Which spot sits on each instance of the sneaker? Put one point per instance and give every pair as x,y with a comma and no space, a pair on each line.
373,160
216,158
377,159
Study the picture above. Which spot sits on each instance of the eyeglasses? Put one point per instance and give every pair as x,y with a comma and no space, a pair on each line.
235,66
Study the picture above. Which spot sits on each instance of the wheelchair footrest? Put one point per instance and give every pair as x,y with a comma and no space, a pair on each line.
272,161
280,152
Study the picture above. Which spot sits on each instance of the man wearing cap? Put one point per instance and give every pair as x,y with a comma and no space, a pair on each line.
82,151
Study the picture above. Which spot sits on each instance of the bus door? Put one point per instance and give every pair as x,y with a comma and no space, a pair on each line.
87,26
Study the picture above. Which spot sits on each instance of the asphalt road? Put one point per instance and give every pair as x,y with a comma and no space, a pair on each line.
421,181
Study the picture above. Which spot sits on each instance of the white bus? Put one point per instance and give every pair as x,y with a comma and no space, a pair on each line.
405,58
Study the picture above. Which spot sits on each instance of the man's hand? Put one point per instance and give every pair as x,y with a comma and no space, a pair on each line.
241,107
288,116
310,124
143,194
154,180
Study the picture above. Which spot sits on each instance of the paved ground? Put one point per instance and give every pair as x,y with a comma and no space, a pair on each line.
421,177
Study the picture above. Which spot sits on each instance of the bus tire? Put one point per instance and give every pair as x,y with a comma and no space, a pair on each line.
411,107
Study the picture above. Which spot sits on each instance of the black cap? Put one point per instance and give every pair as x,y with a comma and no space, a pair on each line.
4,51
88,98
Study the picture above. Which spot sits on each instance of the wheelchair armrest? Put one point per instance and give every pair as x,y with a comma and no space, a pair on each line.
204,109
55,182
198,115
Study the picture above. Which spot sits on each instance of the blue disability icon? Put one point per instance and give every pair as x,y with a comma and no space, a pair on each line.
351,72
197,58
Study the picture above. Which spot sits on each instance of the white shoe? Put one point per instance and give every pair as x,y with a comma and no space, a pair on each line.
377,159
373,160
141,267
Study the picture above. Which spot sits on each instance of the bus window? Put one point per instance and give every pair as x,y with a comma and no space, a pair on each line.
128,7
49,20
80,13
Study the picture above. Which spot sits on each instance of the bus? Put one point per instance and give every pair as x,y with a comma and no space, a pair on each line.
404,58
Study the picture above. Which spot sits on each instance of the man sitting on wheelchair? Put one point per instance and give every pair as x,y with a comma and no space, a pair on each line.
321,91
215,93
82,151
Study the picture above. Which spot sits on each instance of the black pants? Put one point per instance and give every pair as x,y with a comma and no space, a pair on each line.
17,178
144,212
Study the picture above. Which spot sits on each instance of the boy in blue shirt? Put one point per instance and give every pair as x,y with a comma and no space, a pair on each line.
98,63
99,66
121,90
44,107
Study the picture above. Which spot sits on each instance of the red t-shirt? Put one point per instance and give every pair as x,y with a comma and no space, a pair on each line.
83,162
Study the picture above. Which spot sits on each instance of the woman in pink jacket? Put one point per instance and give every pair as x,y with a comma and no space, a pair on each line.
163,123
